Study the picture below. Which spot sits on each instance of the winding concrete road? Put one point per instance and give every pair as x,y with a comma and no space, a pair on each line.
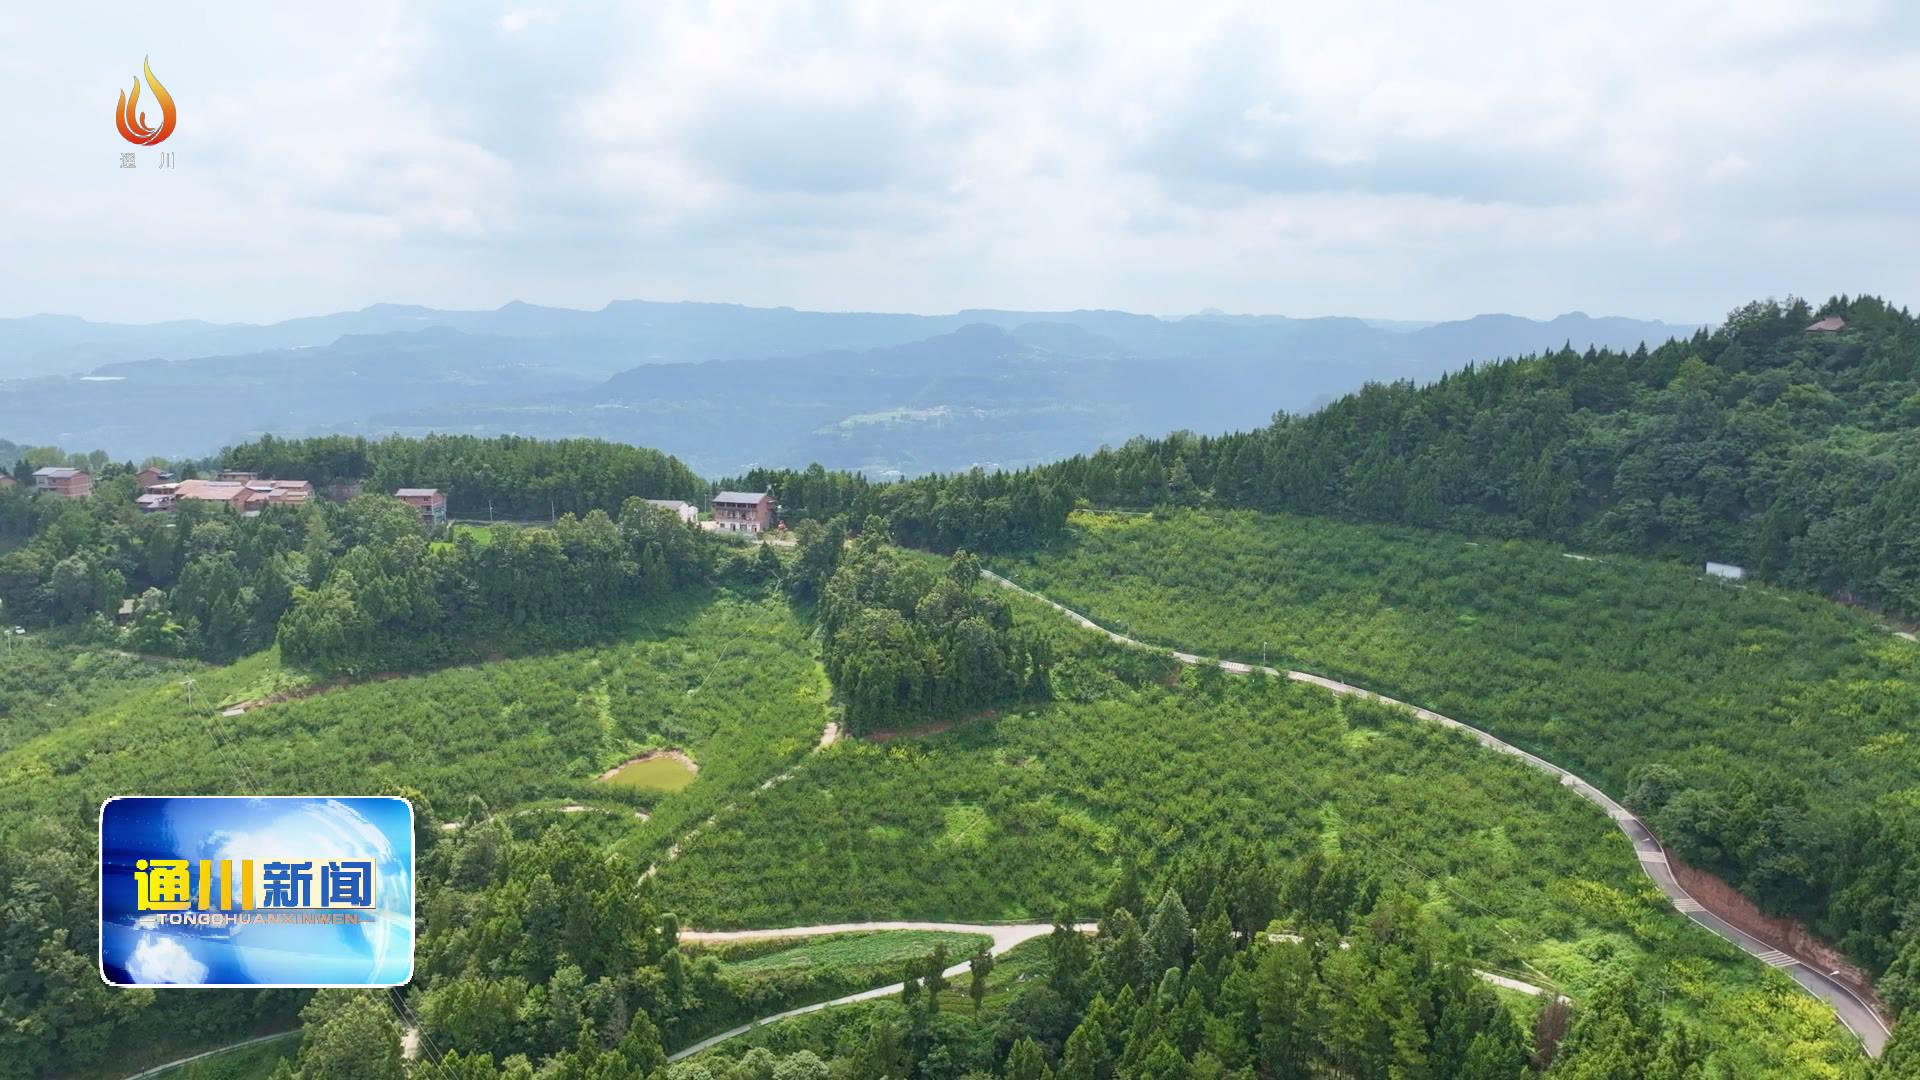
1858,1016
1005,936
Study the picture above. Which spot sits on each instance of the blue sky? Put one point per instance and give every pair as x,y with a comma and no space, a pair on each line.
1667,159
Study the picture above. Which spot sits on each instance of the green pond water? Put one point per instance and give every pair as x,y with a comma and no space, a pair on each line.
654,774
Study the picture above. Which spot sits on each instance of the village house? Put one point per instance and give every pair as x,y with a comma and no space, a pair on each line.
242,496
64,482
743,511
152,476
686,511
431,502
1830,324
6,481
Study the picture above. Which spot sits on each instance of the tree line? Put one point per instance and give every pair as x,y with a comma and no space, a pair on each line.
361,585
508,476
1795,454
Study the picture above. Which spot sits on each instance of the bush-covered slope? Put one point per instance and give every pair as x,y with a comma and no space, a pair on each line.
1043,809
1770,736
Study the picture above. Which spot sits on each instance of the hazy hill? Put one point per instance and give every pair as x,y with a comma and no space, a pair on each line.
727,386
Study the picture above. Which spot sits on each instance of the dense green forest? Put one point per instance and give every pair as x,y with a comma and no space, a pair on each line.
1794,453
1769,737
396,601
905,644
978,511
357,586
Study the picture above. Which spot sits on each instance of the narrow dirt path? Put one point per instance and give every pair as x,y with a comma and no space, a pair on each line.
1858,1015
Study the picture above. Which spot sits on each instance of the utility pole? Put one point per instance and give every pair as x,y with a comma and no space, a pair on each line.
189,684
1263,653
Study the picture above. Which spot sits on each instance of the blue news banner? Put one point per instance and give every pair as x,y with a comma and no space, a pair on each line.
288,891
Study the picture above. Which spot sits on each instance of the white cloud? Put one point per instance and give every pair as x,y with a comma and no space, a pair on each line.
159,959
1655,157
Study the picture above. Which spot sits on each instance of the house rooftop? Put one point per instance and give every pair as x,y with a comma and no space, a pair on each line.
416,493
739,496
56,472
1827,325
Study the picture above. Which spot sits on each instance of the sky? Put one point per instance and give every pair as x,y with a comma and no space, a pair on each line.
1397,160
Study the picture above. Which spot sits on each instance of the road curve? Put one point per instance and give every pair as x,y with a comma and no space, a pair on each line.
1857,1015
1005,936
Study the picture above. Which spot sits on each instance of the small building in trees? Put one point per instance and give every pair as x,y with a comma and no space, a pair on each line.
1726,570
62,481
153,476
685,511
1828,325
743,511
431,502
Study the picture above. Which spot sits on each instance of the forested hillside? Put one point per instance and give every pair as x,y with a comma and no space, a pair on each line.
1795,453
360,585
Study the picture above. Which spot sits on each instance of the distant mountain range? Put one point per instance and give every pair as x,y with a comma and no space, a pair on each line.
725,386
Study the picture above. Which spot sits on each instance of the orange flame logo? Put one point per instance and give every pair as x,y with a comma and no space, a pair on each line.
133,122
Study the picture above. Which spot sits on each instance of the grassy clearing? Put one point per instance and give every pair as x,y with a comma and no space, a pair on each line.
886,949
